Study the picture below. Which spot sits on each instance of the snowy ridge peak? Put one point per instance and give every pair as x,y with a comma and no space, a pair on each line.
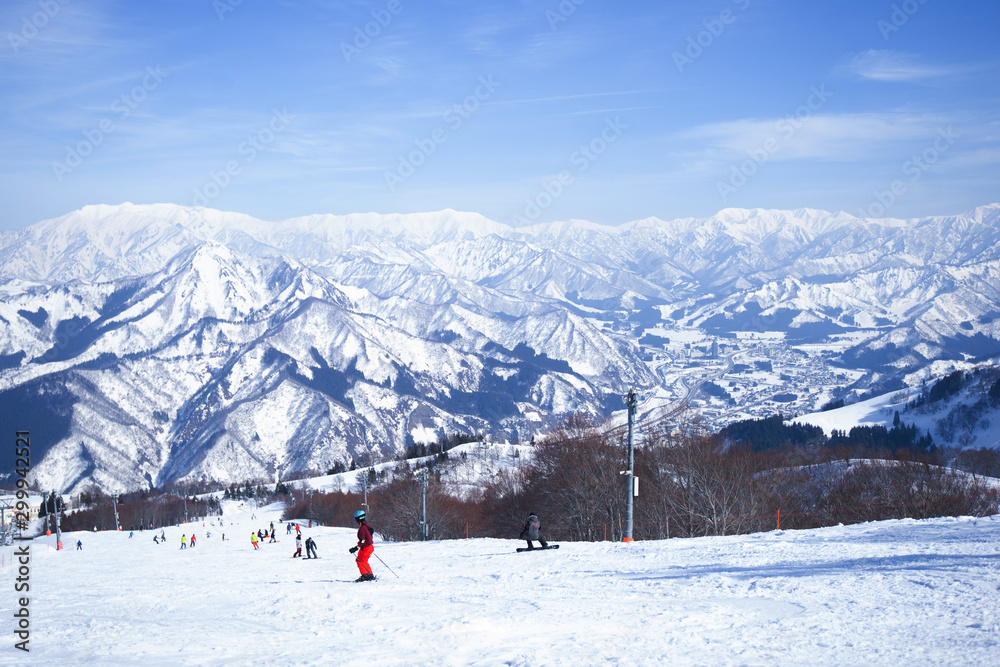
422,229
215,344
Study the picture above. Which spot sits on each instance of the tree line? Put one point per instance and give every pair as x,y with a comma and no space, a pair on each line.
138,510
692,484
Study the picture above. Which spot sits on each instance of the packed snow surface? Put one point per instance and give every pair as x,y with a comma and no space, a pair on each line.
888,593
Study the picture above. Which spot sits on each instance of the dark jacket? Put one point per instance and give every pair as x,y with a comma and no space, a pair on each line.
364,535
531,527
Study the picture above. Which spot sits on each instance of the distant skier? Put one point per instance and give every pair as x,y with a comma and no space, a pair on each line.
260,535
253,540
79,545
298,546
530,532
184,541
192,540
273,538
288,529
364,548
311,548
156,539
163,535
272,529
130,533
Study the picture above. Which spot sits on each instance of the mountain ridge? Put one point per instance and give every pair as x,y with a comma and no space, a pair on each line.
180,342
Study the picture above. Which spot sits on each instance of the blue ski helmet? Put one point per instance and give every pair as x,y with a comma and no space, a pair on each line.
359,516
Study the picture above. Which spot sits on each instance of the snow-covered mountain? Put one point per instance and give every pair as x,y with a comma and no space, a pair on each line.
145,344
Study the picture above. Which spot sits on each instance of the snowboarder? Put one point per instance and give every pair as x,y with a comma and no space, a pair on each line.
253,540
184,541
273,538
156,539
530,532
364,548
298,546
311,548
260,535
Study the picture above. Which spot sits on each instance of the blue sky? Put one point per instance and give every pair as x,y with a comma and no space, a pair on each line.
531,110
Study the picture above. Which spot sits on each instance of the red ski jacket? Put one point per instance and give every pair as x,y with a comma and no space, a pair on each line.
364,535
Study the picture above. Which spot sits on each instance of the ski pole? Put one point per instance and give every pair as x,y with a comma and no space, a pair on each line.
383,563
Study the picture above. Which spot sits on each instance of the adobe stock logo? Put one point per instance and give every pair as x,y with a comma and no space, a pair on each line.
900,15
784,130
914,168
562,12
123,107
30,27
219,180
455,117
582,158
698,43
381,18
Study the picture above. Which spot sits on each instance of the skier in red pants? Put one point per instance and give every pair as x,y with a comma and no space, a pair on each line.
364,548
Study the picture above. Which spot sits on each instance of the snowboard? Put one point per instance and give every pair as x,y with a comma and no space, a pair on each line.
551,546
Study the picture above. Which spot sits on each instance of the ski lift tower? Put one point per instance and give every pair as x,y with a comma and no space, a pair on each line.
631,403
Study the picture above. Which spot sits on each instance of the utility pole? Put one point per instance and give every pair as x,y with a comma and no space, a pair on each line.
114,504
423,505
631,403
364,486
185,508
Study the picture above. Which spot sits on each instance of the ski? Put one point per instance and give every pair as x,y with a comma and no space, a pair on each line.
551,546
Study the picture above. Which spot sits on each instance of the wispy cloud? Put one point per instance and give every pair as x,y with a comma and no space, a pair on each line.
838,137
577,96
58,37
896,66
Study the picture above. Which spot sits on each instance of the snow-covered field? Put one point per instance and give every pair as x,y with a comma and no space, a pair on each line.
890,593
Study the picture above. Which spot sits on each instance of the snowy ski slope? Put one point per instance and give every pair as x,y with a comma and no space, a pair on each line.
889,593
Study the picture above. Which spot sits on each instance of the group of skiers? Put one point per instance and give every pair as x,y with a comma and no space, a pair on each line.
364,548
310,546
256,539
